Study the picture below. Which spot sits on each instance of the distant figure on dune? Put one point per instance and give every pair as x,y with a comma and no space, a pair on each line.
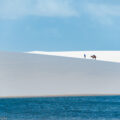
93,57
84,55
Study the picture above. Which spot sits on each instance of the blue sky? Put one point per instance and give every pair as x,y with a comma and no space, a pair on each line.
59,25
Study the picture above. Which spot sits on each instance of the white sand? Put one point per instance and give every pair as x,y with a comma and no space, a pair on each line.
27,75
111,56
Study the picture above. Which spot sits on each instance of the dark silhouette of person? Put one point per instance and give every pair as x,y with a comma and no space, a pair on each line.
84,55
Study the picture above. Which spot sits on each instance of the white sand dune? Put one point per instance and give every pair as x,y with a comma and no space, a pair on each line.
111,56
23,74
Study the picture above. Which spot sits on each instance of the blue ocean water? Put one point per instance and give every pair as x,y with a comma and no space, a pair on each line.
61,108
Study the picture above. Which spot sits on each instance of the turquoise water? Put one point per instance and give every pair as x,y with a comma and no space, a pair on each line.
61,108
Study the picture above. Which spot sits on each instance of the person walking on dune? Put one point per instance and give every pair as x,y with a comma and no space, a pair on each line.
85,56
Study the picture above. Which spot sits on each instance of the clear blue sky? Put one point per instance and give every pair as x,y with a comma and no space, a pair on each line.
59,25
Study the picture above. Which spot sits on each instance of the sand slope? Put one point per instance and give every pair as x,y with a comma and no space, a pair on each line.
24,74
111,56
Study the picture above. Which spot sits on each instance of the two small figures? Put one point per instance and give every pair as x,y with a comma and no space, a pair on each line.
93,56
